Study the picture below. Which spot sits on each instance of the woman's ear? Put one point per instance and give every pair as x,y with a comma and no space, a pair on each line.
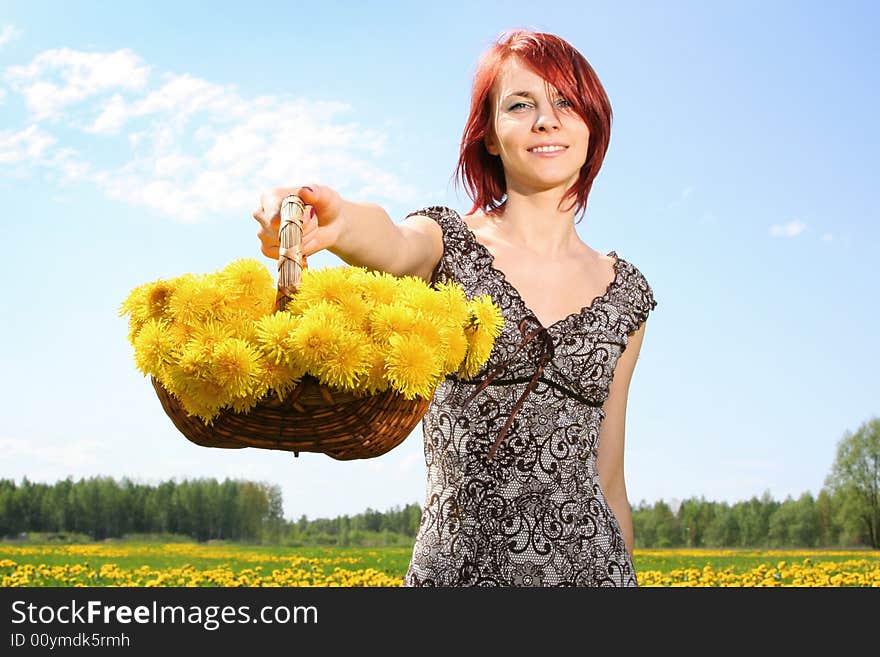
490,144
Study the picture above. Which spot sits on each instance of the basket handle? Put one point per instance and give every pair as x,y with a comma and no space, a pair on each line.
291,261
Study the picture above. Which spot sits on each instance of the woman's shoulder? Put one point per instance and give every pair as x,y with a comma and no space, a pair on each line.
435,212
448,220
633,273
634,291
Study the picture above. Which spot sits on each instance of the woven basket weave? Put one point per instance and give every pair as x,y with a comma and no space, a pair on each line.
312,417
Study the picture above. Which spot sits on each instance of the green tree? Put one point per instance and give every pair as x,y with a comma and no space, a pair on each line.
855,475
690,519
275,513
723,530
829,530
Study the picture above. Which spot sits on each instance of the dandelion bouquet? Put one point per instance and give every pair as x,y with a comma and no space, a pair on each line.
216,343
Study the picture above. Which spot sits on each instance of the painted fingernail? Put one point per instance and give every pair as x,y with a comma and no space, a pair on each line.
311,213
309,188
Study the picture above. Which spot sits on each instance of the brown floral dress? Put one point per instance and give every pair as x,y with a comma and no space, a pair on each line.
513,495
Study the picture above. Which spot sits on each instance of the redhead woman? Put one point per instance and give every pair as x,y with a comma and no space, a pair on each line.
525,461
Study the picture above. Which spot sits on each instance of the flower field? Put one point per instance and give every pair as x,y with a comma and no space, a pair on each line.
204,565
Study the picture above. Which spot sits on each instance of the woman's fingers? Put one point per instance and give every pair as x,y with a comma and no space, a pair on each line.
309,220
258,215
316,240
268,216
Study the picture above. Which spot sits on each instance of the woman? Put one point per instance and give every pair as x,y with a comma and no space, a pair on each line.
525,464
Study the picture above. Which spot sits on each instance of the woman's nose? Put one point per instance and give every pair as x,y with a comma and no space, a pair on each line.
546,120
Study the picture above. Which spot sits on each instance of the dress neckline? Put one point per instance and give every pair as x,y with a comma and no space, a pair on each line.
516,294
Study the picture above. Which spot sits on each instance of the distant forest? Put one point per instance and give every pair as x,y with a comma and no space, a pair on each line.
243,511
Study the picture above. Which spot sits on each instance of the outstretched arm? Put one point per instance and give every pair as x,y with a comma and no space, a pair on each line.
361,234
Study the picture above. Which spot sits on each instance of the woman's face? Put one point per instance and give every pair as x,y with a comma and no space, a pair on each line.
525,118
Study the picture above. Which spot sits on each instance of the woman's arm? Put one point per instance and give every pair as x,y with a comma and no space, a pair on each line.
611,438
361,234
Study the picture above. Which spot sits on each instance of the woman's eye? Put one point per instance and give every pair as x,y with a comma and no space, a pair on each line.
562,102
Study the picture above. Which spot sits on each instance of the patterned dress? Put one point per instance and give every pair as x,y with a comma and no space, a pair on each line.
513,495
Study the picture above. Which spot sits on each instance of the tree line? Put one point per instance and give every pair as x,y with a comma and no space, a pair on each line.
205,509
807,522
846,512
101,508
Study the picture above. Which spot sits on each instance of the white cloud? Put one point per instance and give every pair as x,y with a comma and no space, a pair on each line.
111,118
8,33
791,229
25,145
189,147
827,237
56,79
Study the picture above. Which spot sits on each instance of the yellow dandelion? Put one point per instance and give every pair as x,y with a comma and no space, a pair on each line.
194,405
148,301
486,315
157,297
456,309
198,397
480,343
245,403
296,306
252,308
413,368
246,279
356,310
349,359
427,328
174,379
419,295
242,326
391,319
207,397
327,284
379,287
320,328
248,288
182,333
357,276
374,379
283,376
486,324
274,336
205,337
195,299
153,347
193,362
235,366
135,304
456,344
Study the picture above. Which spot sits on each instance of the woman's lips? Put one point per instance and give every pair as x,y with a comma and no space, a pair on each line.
559,151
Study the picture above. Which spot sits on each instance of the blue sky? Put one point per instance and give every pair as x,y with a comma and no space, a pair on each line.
741,179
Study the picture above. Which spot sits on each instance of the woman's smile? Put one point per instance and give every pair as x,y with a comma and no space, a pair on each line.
548,151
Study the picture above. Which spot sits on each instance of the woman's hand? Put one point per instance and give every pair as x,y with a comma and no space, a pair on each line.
321,219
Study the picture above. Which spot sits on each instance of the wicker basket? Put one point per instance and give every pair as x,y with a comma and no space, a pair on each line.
312,417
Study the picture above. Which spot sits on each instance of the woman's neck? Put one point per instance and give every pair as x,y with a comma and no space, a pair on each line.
535,223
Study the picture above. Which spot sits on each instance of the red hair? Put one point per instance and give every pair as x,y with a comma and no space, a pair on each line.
562,66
